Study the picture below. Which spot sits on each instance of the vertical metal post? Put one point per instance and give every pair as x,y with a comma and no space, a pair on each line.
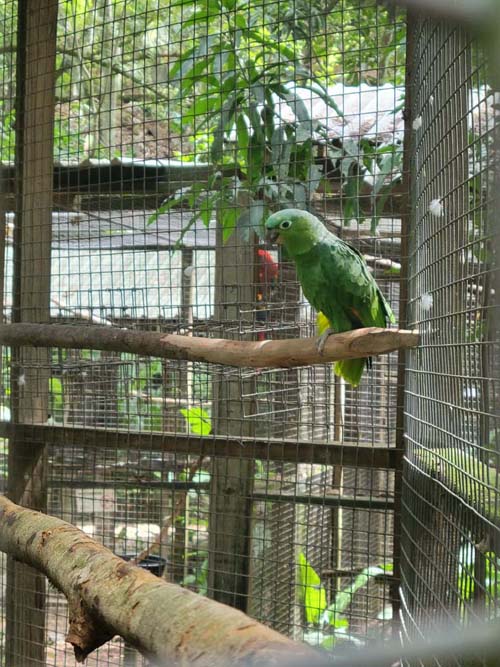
36,49
403,299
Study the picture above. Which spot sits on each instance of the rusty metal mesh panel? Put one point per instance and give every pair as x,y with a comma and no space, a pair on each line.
451,497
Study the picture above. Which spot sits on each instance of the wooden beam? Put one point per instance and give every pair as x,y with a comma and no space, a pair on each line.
334,500
287,353
35,101
229,526
290,451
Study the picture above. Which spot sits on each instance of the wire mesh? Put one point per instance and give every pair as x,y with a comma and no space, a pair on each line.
450,562
176,131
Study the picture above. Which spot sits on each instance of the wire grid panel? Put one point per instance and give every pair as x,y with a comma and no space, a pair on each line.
451,499
7,86
158,191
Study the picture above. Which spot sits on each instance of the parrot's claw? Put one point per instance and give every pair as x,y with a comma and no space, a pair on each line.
323,338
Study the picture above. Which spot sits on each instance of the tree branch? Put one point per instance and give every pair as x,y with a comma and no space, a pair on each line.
287,353
108,596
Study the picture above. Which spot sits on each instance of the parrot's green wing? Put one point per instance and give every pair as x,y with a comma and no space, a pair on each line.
357,286
336,281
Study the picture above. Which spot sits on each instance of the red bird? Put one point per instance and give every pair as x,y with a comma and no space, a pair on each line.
268,273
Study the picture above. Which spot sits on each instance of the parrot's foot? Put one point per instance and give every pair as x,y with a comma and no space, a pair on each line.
323,338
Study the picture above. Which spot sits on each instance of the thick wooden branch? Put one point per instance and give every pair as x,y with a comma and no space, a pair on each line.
263,354
108,596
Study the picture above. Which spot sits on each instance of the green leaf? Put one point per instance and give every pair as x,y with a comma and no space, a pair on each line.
183,61
284,159
344,597
257,215
196,73
56,386
320,91
206,207
201,16
267,114
312,593
278,139
251,220
169,203
275,46
198,420
300,195
240,21
184,3
229,220
226,117
314,178
220,61
255,156
242,132
203,105
295,102
255,118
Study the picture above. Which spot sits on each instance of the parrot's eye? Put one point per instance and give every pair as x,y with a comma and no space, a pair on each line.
286,224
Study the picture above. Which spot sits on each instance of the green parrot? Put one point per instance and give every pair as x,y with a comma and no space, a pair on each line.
335,280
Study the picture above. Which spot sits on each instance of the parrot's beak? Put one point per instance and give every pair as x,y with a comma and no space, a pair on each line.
273,235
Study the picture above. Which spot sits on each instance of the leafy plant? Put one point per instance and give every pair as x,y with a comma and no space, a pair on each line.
56,398
311,590
198,420
362,165
261,133
327,623
466,582
198,580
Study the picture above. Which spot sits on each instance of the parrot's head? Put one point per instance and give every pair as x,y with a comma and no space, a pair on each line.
297,230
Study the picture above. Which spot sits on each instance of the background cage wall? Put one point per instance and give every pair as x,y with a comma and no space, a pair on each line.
141,152
450,482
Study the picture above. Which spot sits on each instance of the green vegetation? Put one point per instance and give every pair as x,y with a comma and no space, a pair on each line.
245,83
329,623
217,76
476,483
198,420
466,476
490,585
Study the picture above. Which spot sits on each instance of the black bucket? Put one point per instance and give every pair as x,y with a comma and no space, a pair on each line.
154,564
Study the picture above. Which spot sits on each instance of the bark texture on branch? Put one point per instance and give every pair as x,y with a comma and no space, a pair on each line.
108,596
263,354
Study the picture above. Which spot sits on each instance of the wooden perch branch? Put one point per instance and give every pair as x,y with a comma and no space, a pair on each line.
263,354
108,596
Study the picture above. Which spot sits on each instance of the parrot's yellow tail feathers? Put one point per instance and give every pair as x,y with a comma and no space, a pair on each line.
322,322
349,369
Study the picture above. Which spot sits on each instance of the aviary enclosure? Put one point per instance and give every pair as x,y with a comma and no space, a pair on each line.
143,144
